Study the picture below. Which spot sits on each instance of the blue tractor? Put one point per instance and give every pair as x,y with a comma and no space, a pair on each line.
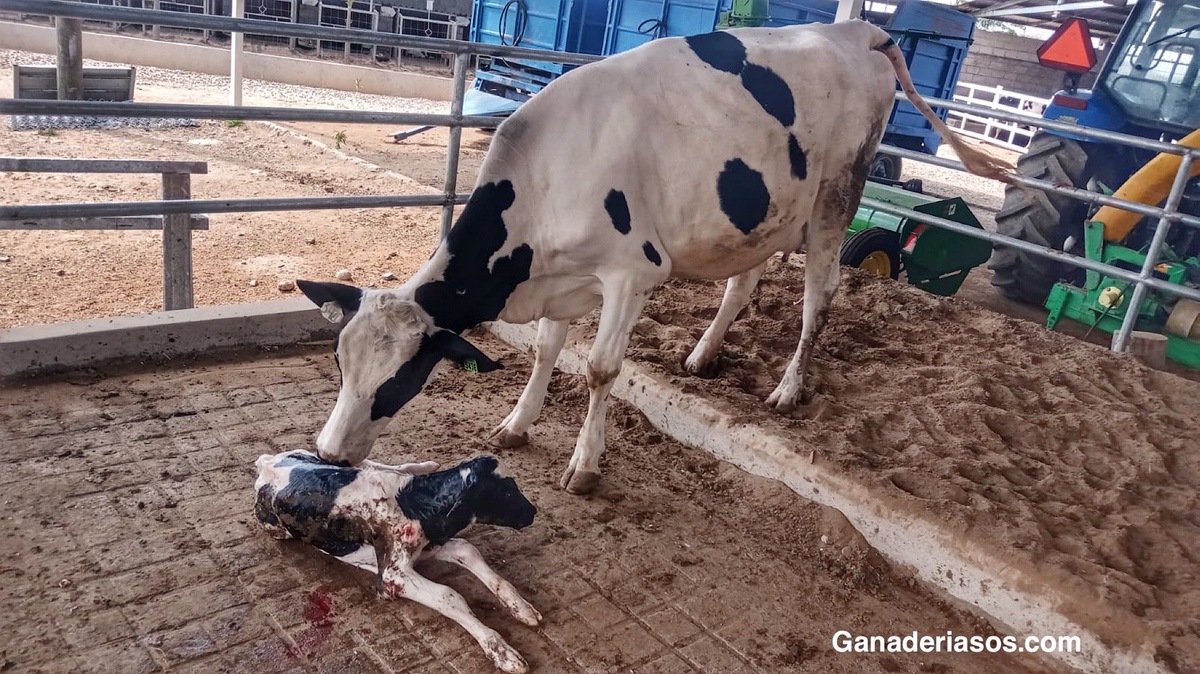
1149,86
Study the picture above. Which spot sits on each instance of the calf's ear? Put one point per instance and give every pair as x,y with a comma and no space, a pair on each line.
336,300
451,346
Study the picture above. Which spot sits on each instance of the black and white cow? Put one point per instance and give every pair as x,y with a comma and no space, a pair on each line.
696,157
386,519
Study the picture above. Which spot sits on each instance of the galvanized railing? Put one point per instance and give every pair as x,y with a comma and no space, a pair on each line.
1167,215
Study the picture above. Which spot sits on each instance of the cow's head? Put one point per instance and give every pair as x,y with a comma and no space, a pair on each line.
387,348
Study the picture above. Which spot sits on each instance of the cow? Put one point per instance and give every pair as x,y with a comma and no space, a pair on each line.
697,157
385,519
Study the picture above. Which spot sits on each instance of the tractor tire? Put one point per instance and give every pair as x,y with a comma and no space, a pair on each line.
1041,218
875,250
886,166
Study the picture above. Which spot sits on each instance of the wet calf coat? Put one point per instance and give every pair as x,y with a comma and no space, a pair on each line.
386,519
696,157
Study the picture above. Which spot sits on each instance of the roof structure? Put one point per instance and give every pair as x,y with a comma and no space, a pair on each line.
1104,17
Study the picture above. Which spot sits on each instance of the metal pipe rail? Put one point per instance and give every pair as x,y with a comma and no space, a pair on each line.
1073,192
1074,129
128,208
152,17
13,106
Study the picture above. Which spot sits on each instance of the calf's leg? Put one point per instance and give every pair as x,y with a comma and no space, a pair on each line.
623,302
513,431
401,581
461,553
737,295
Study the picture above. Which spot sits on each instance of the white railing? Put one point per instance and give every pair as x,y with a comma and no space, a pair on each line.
1010,135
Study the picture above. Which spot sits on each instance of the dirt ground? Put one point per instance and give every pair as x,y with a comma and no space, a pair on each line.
1081,463
128,541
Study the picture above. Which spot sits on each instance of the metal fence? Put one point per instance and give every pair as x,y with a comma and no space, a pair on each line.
1167,216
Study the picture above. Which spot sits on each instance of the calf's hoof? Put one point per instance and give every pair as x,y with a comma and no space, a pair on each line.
579,481
506,439
525,612
505,657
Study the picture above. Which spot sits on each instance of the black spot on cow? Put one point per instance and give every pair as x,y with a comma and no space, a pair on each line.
797,158
743,195
448,501
304,505
720,50
771,92
472,290
651,254
411,377
618,210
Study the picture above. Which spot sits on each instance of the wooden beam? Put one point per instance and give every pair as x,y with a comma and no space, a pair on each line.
47,165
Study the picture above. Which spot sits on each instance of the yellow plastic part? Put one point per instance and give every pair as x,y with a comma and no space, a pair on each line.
1150,185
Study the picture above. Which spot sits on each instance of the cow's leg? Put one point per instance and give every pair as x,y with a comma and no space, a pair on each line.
822,273
460,552
623,303
737,295
513,431
422,468
402,581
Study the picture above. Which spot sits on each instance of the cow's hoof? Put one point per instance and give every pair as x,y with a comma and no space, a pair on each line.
506,439
505,657
783,403
697,367
579,481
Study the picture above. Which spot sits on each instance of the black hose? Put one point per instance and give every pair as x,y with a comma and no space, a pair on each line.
519,28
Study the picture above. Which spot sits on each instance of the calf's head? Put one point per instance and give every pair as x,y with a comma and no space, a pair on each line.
499,500
386,350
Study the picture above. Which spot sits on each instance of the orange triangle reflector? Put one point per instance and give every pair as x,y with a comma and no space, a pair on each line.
1070,48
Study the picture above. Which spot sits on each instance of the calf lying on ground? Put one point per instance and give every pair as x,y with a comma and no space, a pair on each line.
384,519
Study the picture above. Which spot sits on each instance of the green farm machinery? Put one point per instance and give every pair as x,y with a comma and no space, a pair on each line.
933,259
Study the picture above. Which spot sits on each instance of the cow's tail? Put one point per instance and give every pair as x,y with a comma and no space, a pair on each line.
974,160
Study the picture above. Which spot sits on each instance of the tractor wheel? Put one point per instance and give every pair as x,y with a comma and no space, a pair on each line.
874,250
1041,218
886,166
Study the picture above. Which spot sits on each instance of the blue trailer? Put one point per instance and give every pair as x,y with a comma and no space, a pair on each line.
934,39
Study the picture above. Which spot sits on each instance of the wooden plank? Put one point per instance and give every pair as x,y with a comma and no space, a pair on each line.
133,222
177,246
120,84
46,165
89,71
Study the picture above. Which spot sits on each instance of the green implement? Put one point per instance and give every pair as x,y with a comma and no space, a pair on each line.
1102,301
930,258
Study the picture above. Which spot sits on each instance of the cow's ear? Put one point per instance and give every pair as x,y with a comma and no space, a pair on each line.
336,300
450,346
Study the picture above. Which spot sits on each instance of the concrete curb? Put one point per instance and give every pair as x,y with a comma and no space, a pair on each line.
1016,600
47,348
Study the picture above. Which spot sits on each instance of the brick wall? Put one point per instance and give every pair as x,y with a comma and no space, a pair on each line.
1010,61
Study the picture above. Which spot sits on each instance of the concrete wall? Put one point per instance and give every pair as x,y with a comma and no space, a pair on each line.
1010,61
215,61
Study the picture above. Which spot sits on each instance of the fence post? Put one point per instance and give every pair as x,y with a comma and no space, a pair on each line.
456,107
70,58
177,245
236,46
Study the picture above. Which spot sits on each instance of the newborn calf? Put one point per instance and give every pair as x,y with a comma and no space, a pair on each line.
384,519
